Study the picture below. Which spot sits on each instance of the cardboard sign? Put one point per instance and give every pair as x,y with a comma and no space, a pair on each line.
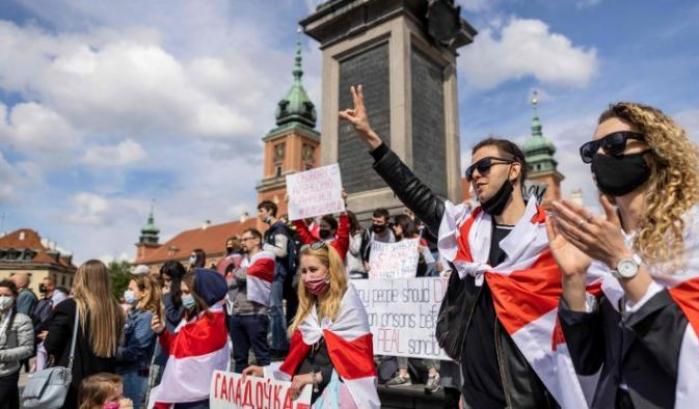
403,315
229,391
394,260
315,192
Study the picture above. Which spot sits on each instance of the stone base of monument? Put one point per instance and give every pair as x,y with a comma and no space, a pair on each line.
410,397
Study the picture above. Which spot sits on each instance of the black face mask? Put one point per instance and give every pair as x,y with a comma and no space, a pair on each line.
325,234
378,228
42,288
617,176
496,204
229,250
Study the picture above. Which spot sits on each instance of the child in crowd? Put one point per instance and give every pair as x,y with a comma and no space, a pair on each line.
103,391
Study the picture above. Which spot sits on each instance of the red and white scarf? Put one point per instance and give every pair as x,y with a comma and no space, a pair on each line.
350,348
683,287
526,288
195,351
260,274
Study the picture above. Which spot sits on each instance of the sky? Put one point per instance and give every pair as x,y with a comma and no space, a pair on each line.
108,106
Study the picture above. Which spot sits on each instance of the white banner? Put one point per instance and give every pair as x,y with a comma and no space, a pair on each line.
315,192
394,260
403,315
228,391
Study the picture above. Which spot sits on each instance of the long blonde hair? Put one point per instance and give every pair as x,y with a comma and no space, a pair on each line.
151,294
328,304
93,295
673,187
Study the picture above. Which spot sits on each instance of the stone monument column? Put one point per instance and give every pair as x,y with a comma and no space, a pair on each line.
404,55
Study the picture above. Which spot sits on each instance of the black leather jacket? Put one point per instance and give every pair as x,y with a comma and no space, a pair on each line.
522,387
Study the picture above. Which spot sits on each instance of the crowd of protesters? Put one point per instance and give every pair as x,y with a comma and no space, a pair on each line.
620,291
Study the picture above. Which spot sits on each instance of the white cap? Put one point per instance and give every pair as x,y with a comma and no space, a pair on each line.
141,269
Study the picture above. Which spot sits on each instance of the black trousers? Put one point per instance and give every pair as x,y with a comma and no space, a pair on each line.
9,391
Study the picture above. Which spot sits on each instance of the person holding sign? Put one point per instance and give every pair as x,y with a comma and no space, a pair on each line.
331,345
498,318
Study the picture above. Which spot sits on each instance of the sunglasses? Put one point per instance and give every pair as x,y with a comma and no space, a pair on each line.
613,144
315,246
484,165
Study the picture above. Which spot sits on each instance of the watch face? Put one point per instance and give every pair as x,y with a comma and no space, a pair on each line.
627,268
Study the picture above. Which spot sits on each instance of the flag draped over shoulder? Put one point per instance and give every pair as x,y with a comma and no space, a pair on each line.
683,286
526,288
195,351
260,274
350,348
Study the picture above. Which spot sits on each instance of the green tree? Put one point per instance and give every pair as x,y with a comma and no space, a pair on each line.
120,272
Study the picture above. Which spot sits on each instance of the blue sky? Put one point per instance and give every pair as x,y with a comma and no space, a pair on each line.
107,105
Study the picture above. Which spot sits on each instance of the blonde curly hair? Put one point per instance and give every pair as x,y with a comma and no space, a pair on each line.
673,187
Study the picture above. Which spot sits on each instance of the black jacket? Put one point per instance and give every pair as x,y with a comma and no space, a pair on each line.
57,345
521,386
640,349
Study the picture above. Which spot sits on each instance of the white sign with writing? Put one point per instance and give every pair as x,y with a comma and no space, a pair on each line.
403,315
229,391
394,260
315,192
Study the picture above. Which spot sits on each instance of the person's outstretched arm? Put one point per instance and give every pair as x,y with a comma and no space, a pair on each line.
414,194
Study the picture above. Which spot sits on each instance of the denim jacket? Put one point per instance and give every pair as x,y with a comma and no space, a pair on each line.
137,345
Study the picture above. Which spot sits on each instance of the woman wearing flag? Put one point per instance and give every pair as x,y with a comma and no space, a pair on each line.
331,345
642,330
197,347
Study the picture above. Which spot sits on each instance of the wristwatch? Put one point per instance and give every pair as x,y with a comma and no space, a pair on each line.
627,267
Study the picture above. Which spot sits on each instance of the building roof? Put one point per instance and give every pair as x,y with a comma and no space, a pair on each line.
211,239
24,248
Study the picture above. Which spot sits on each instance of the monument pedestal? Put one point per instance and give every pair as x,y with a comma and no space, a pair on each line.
409,81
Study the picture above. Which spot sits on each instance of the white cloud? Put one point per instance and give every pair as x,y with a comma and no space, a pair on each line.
89,208
526,47
32,127
124,153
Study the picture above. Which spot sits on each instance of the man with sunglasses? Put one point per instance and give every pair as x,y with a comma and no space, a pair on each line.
492,319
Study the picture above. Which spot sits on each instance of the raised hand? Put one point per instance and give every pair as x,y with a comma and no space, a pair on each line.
358,117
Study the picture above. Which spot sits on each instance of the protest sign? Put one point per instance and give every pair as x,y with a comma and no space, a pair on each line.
315,192
403,315
229,391
394,260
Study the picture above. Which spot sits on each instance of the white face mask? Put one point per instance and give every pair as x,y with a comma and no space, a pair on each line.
6,302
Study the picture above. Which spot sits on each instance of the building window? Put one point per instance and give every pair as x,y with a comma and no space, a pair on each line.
279,151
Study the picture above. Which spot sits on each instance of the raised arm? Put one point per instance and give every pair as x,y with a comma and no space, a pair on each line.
414,194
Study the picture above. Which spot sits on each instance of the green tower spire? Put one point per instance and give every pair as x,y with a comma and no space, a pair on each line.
149,232
296,107
539,150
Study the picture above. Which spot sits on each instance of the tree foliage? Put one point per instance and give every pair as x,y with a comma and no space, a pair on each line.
120,272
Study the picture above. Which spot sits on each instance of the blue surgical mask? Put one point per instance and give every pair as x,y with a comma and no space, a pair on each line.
188,301
130,297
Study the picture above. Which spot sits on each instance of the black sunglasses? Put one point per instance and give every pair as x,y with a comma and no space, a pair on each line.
613,144
484,165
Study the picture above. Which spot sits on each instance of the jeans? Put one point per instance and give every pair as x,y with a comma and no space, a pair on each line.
9,392
135,386
249,331
280,343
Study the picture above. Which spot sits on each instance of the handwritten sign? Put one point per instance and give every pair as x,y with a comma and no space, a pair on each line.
229,391
403,315
394,260
315,192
